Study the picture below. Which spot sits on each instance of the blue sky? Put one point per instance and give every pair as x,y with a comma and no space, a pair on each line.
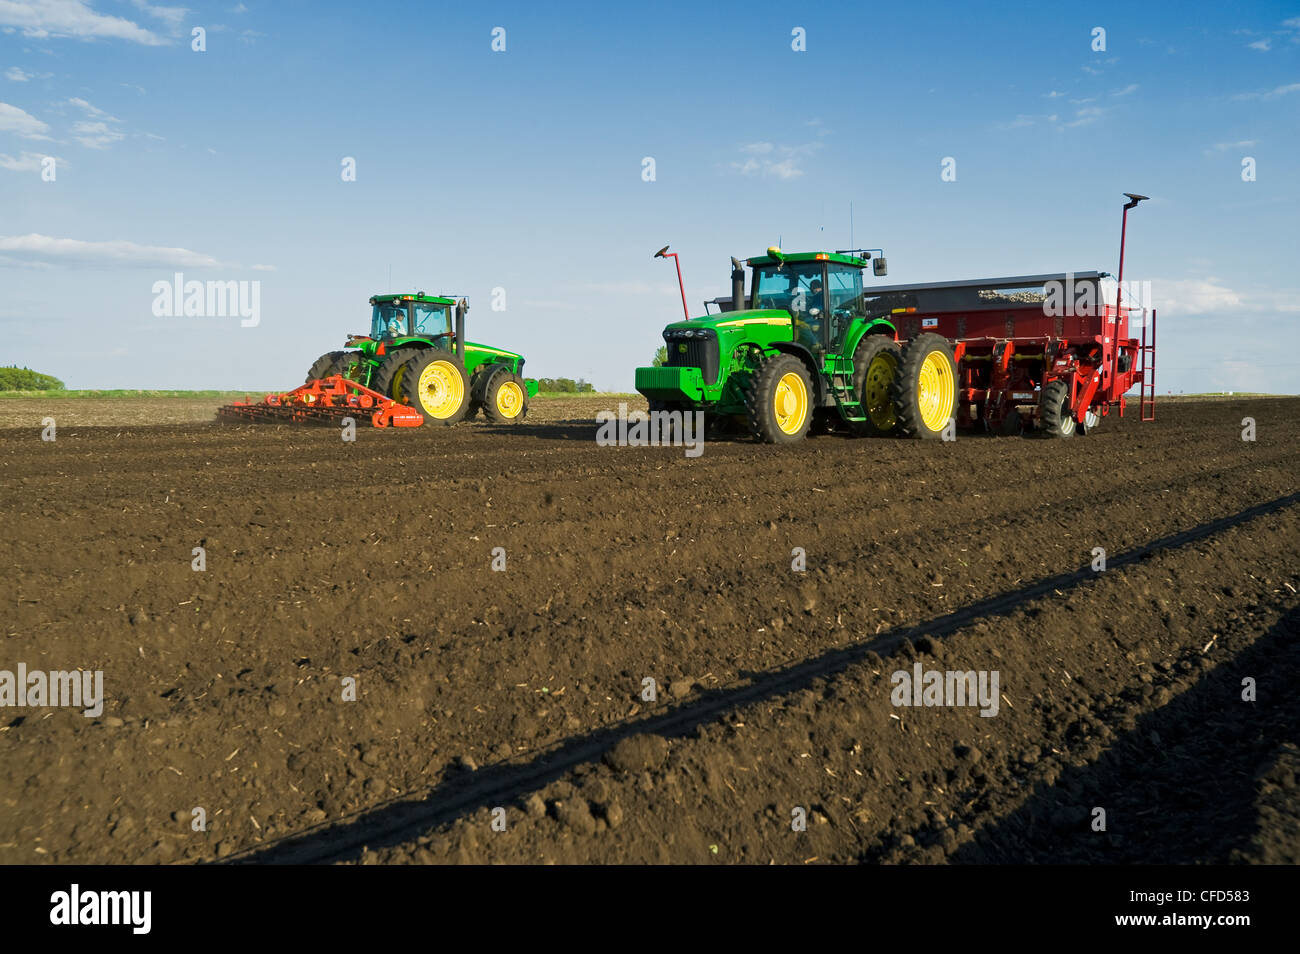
522,169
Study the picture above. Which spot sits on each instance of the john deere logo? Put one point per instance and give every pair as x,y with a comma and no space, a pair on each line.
681,348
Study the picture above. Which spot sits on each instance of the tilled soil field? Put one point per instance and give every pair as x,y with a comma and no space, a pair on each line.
1144,712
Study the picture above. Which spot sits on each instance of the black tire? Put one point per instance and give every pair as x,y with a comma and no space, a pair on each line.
452,407
323,366
388,378
916,407
1054,417
881,419
761,396
504,383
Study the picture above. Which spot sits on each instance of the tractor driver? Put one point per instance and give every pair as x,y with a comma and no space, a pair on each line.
397,322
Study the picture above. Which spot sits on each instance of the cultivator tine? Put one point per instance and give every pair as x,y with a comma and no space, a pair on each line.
325,401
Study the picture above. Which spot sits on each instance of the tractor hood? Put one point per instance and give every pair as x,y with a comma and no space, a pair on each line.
496,353
729,321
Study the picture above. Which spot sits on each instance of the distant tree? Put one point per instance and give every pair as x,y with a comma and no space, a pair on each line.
565,386
661,356
14,378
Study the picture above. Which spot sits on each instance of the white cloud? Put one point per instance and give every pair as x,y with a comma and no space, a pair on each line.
172,16
43,249
1023,120
17,75
1195,296
1273,93
15,120
774,159
1086,116
71,18
27,162
95,135
1226,146
1053,95
90,110
1130,88
1209,296
263,268
95,132
1262,45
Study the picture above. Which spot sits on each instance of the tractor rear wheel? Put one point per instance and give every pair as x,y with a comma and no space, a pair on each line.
323,366
924,391
779,400
1054,416
434,382
505,398
875,365
388,377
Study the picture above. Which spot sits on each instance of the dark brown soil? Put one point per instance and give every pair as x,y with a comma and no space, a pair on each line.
522,690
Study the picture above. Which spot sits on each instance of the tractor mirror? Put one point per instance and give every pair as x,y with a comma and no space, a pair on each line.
879,267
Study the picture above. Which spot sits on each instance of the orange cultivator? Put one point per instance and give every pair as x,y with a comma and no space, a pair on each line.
325,401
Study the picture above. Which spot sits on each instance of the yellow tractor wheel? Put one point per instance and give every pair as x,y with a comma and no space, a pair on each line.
875,365
505,398
779,401
434,382
925,389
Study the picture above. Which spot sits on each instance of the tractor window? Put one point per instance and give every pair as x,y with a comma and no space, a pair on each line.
388,320
844,284
431,320
844,288
796,288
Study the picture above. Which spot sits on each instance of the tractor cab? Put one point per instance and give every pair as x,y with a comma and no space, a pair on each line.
405,316
823,293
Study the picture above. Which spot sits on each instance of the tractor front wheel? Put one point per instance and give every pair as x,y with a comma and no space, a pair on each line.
505,398
924,391
875,365
434,382
779,400
1055,418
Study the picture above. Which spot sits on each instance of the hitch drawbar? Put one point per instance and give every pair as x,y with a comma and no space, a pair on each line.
324,401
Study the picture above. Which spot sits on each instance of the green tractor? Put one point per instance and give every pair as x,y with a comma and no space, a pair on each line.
417,354
807,342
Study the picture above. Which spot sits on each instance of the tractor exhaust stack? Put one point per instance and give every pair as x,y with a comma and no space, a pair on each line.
737,284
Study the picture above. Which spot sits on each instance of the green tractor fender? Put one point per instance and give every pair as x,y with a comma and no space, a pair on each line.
814,372
877,327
